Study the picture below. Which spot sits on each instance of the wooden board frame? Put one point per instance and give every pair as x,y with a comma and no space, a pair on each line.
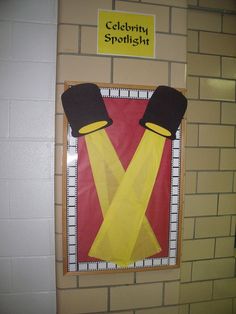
69,219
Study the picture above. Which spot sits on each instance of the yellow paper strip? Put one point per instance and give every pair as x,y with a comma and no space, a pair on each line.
125,235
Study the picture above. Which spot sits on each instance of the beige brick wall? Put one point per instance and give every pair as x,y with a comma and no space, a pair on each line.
205,282
208,283
127,293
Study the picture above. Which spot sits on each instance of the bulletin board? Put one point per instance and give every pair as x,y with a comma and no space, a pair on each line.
82,215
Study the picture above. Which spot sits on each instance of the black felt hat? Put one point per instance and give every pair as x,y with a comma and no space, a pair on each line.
85,109
164,111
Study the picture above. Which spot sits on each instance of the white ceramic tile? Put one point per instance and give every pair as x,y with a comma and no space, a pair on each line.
33,274
5,238
5,303
5,275
28,303
52,236
32,41
31,199
29,10
4,199
4,117
30,80
34,119
24,238
4,159
5,9
5,39
29,237
28,160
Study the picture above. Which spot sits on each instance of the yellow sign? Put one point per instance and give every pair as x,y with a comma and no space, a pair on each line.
127,34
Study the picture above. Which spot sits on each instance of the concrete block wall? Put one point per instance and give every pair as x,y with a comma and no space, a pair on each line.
205,282
28,34
128,293
208,283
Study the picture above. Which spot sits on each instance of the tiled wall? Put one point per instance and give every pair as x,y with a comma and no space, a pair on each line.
205,282
28,35
208,283
142,292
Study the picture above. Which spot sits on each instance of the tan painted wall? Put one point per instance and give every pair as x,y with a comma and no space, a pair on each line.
209,216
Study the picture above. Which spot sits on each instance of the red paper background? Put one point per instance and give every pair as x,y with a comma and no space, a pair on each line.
125,134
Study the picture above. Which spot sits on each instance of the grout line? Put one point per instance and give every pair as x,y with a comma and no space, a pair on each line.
79,39
109,298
